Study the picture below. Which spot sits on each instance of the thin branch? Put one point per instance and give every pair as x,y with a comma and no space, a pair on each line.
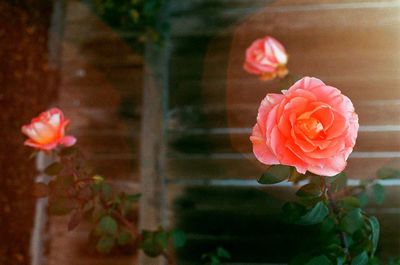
336,211
125,222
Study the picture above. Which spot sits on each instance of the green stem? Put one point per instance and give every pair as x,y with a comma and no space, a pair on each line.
336,211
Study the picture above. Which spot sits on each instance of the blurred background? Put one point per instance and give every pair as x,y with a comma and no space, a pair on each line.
160,104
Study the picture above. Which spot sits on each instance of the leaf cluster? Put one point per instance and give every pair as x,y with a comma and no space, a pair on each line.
141,17
217,256
348,235
74,190
155,243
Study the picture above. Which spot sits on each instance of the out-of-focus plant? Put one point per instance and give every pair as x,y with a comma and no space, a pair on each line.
139,17
266,58
217,256
75,190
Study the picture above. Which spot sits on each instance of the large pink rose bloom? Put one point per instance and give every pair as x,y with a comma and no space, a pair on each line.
47,131
267,58
311,126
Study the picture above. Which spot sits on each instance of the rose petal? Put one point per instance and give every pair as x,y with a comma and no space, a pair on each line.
45,132
278,51
330,167
338,127
68,141
30,132
46,147
55,120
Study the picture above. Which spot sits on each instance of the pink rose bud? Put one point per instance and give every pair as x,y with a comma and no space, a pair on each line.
311,126
47,131
267,58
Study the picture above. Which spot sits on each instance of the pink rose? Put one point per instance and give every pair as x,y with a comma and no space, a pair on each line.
267,58
47,131
311,126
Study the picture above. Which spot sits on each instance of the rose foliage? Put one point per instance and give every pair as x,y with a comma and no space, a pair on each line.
73,189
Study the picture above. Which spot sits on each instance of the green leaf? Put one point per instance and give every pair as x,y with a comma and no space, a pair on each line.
107,226
379,193
374,261
361,242
178,238
292,211
223,253
309,190
338,181
314,216
375,230
215,260
295,176
352,221
106,190
361,259
363,198
336,253
388,173
150,243
320,260
327,226
133,197
124,238
394,261
275,174
105,244
53,169
350,202
300,259
340,260
102,188
161,238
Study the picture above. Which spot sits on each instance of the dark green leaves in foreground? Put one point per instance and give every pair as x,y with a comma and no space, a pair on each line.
275,174
154,243
379,193
217,256
352,221
315,215
178,238
299,214
375,229
309,190
320,260
361,259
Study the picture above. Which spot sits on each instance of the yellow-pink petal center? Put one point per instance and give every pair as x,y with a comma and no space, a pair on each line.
311,127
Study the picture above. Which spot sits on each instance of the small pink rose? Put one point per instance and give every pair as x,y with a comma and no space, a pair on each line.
267,58
47,131
311,126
